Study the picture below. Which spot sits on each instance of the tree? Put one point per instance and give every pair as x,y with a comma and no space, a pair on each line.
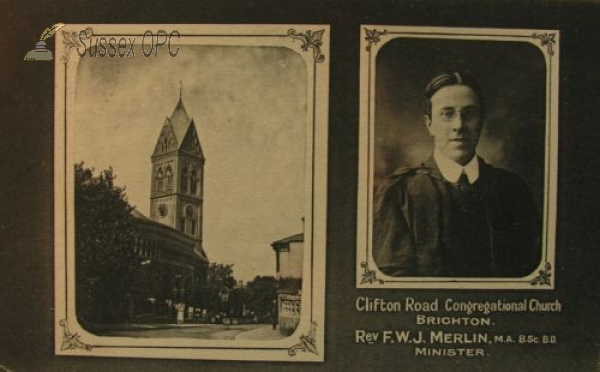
262,291
219,284
104,247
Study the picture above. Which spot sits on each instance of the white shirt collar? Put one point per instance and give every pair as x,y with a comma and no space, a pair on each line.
451,170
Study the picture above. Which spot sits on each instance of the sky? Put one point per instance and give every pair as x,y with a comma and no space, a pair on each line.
249,107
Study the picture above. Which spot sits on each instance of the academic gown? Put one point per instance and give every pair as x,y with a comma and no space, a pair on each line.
425,225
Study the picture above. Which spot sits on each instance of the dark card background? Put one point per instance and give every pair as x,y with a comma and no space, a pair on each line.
26,149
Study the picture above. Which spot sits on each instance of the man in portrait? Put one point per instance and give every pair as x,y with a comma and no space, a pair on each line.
455,215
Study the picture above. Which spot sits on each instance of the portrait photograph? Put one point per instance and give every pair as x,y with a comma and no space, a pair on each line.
458,136
190,203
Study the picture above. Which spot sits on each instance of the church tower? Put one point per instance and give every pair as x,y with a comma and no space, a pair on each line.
176,194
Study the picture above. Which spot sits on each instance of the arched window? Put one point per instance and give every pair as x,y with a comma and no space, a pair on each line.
184,180
159,180
169,178
194,182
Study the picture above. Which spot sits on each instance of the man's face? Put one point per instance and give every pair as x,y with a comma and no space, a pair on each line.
455,122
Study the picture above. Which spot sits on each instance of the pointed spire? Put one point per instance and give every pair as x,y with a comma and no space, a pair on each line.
180,88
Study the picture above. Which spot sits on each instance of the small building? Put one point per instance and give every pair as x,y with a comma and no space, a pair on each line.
289,259
288,255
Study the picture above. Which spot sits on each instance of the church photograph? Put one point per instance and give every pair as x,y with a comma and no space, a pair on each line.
169,279
208,160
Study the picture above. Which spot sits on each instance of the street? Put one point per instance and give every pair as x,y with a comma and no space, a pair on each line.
197,331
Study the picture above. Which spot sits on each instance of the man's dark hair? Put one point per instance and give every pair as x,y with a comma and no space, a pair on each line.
449,79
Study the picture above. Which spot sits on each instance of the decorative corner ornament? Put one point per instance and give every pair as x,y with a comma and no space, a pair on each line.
544,276
71,40
71,340
373,37
312,40
547,40
307,343
369,276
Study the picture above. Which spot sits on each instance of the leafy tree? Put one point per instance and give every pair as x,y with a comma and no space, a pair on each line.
104,247
262,291
220,275
218,285
290,284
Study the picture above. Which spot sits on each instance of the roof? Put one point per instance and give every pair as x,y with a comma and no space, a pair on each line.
197,250
180,121
137,214
290,239
174,131
200,252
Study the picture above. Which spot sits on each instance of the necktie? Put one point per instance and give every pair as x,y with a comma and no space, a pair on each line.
464,193
463,182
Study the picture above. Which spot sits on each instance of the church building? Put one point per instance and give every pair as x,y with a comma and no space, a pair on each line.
170,239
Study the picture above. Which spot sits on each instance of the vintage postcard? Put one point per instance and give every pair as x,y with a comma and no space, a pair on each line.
458,158
190,191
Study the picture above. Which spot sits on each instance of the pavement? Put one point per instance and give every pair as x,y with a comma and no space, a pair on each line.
263,333
213,331
136,326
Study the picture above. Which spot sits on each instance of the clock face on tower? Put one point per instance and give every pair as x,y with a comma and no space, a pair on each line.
163,210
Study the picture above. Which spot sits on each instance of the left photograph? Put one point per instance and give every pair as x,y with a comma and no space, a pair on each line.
190,183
